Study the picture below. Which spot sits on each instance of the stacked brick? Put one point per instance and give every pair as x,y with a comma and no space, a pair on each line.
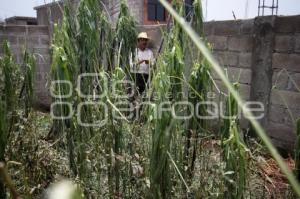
232,44
285,98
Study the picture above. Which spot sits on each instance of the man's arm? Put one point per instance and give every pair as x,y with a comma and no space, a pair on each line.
141,61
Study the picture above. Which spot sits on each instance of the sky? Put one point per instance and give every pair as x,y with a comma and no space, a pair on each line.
213,9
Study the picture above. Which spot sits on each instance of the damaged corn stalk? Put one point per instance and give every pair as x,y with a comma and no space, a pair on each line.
27,90
199,87
10,81
235,151
167,130
82,48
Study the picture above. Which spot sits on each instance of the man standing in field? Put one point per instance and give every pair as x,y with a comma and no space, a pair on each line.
141,65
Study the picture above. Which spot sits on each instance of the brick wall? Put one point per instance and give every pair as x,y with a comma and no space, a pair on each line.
36,39
136,8
265,52
232,43
285,98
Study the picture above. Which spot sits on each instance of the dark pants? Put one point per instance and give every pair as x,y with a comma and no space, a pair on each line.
140,81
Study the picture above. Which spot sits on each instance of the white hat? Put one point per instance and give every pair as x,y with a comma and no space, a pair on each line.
143,35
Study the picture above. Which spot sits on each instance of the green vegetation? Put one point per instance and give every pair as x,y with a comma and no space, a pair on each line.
102,147
235,152
16,92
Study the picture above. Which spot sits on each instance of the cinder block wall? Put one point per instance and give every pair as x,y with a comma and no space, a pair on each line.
285,97
232,44
36,39
136,8
265,52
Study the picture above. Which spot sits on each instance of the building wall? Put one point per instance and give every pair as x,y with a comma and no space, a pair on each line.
285,97
136,8
264,50
232,43
48,15
36,39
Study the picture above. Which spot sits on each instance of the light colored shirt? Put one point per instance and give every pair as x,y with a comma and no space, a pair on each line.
140,55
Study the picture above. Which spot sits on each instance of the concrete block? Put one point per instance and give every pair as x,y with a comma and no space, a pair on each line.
280,80
240,75
287,24
37,30
17,54
297,43
41,51
29,41
227,28
282,136
43,59
291,62
218,42
294,82
39,77
245,60
280,60
282,115
12,30
209,28
240,44
282,97
44,40
247,26
284,43
244,89
43,68
243,76
11,39
227,58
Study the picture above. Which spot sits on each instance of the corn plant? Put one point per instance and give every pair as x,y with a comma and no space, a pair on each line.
82,44
27,91
125,38
167,134
161,139
199,86
12,94
234,151
10,86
